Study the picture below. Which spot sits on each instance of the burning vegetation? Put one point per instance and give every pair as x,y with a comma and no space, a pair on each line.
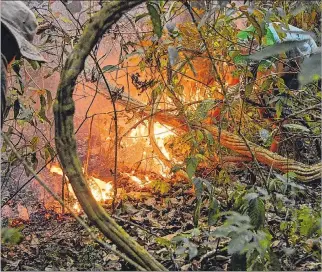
187,133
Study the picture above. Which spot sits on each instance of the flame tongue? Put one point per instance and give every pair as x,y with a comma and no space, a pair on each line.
161,133
56,170
101,190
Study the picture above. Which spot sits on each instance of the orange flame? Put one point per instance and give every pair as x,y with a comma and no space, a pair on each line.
101,190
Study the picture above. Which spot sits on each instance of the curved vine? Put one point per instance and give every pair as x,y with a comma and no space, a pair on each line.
64,109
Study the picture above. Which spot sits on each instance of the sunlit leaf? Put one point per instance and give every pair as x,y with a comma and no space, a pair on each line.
66,20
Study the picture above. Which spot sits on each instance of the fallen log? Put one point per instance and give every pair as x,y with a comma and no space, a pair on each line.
304,172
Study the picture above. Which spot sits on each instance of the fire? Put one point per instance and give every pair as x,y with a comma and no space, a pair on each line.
161,132
135,179
101,190
56,170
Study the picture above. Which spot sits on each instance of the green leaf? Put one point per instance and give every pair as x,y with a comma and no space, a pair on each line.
276,49
11,235
203,108
49,152
192,68
192,164
310,69
49,100
34,161
210,137
180,250
193,251
34,64
16,108
198,183
34,142
196,213
246,33
110,68
213,213
278,108
250,196
155,18
296,127
268,39
176,168
140,16
256,212
65,20
238,243
173,55
199,136
163,242
42,112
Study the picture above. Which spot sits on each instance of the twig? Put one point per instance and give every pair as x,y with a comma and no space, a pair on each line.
89,147
134,224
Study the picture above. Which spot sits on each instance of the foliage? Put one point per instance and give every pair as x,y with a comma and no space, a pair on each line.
11,235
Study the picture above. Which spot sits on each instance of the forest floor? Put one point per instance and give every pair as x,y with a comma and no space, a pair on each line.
55,241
